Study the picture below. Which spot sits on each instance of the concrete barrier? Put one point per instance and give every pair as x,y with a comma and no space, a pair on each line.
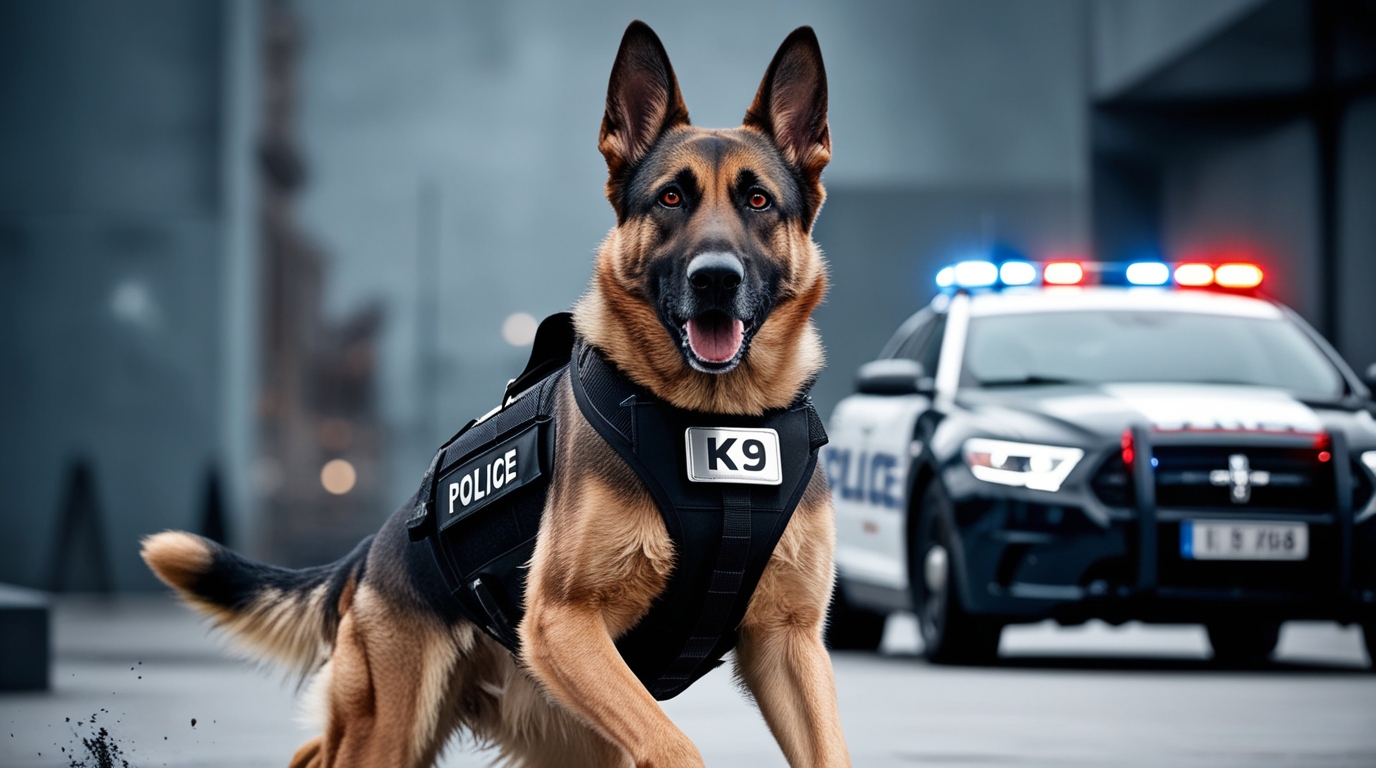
25,656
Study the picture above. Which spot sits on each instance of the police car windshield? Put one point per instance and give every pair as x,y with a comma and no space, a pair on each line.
1146,346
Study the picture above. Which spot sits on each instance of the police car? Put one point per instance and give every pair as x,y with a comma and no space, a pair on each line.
1074,440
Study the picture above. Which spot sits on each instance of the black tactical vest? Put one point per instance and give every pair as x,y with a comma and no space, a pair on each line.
726,487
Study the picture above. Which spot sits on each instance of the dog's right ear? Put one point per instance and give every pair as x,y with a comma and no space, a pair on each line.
643,101
791,105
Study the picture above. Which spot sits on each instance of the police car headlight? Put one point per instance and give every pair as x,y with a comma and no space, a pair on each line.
1039,467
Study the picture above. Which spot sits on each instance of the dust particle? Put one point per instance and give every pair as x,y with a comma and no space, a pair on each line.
101,752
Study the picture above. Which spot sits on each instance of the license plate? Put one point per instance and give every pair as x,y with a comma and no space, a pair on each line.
1211,540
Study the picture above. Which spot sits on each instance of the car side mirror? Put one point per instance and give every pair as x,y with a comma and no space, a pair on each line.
893,376
1371,376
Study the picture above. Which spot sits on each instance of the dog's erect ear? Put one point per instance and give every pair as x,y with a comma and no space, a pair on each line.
791,105
643,101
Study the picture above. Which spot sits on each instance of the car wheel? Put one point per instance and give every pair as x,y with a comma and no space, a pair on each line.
1243,642
850,628
949,633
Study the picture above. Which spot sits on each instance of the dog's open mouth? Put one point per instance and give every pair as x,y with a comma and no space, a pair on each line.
715,340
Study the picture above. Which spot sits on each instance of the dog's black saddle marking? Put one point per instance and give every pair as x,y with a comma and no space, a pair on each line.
723,532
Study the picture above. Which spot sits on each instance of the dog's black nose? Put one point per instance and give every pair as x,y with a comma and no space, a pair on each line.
715,275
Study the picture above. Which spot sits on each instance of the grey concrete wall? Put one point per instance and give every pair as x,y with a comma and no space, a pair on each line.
1251,198
1257,198
1236,184
239,277
1132,38
109,277
499,106
1357,235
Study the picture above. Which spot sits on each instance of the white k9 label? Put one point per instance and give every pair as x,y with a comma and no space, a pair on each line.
722,455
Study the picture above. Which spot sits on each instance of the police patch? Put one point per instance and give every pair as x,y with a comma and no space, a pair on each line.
489,476
740,455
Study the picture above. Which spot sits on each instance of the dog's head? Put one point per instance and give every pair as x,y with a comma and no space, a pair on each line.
704,289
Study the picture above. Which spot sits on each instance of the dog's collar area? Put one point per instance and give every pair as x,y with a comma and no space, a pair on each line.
592,365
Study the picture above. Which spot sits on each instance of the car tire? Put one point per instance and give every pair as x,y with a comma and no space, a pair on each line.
1243,642
850,628
949,633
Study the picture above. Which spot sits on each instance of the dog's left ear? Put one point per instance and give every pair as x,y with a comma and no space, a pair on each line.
643,101
791,105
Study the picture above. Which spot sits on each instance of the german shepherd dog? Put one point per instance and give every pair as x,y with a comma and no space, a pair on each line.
702,293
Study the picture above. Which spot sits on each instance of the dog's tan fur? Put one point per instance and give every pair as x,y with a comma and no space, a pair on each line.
396,681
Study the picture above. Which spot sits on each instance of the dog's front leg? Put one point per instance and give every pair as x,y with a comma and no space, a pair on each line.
602,557
571,653
789,673
780,656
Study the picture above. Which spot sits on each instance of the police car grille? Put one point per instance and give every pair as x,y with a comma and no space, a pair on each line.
1280,479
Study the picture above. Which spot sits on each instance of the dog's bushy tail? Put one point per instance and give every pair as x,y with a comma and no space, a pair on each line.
277,614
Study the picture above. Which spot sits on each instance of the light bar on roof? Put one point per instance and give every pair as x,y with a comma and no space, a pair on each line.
1063,273
1018,273
1194,275
946,277
986,273
1148,273
1238,275
976,274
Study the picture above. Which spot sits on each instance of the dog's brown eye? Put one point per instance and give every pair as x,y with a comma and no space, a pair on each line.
759,200
670,198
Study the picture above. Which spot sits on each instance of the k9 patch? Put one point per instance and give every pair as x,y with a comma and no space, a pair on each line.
722,455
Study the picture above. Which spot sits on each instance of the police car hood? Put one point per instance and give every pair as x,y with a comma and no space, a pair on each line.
1074,414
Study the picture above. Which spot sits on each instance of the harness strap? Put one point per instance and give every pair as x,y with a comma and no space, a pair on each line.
727,577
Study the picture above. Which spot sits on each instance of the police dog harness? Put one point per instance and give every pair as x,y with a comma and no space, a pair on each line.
725,486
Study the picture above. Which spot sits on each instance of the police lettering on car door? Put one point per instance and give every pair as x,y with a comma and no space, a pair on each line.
872,478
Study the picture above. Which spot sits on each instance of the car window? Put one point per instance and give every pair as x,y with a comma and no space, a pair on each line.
915,327
1142,346
925,347
912,345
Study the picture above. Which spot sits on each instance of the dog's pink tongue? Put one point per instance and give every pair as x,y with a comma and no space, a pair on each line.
715,337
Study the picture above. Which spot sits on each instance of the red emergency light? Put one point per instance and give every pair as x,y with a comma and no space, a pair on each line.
1238,275
1063,273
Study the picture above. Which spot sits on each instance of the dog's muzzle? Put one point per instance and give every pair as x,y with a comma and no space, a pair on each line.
714,331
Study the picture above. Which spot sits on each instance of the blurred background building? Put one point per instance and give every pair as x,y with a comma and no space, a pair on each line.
257,259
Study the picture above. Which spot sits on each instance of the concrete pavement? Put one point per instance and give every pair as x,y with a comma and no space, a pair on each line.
1093,695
